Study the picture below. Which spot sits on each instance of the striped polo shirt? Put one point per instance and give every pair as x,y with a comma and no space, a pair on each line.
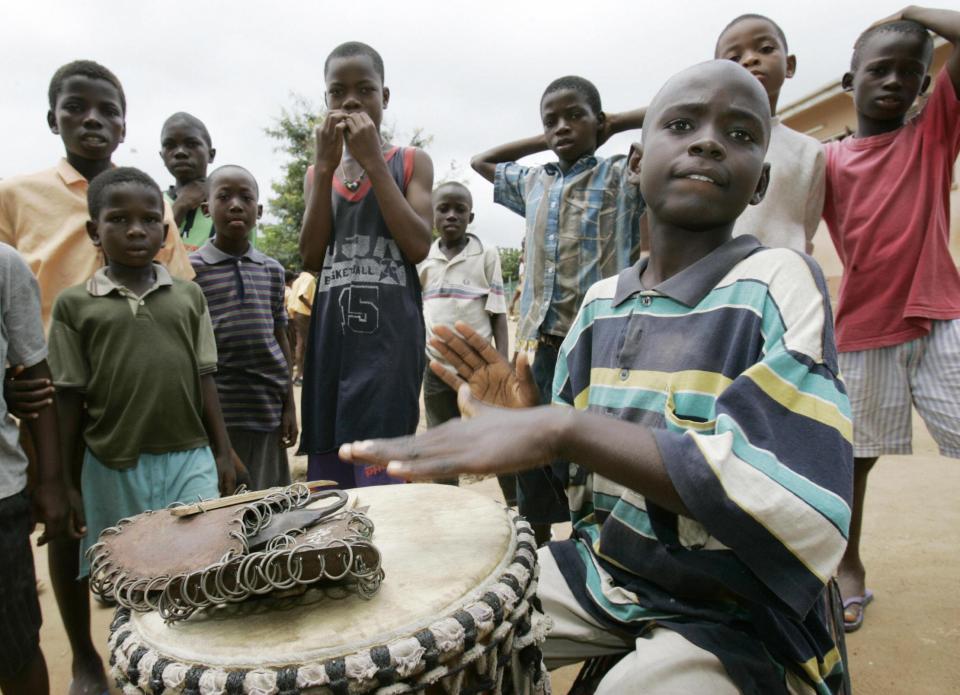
732,363
582,225
246,299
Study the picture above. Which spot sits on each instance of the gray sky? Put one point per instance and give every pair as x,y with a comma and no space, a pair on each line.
470,74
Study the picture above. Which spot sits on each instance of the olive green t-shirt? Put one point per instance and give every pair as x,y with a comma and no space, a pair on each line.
138,362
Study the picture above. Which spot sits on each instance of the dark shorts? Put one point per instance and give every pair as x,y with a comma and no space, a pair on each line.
19,605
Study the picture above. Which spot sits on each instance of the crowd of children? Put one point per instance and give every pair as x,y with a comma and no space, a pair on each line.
714,448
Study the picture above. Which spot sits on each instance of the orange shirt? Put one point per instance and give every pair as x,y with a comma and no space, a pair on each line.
44,216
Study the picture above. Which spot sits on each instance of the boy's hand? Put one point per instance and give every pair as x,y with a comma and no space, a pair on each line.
189,198
363,139
488,440
288,424
26,397
491,378
329,135
53,508
227,466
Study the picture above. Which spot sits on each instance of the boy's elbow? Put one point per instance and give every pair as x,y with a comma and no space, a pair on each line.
483,166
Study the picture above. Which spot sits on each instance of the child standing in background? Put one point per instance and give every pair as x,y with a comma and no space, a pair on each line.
789,215
245,293
367,224
887,207
461,281
187,151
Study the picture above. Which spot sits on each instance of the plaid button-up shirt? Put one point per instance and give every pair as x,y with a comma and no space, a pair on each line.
581,226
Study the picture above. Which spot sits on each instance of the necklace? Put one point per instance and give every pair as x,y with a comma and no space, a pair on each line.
351,184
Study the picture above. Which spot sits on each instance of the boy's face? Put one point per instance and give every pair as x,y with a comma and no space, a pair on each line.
232,203
703,147
184,151
88,117
452,212
891,73
353,85
755,44
130,228
569,124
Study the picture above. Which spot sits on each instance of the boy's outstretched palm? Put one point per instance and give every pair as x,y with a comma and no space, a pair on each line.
491,378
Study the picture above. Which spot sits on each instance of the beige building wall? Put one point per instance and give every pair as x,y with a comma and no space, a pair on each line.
829,113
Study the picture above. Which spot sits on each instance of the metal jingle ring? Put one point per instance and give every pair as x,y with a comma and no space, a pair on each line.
348,562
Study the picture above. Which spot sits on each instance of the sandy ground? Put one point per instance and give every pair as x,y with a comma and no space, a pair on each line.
911,638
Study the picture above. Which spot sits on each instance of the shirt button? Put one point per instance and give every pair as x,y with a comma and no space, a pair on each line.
624,374
142,302
646,301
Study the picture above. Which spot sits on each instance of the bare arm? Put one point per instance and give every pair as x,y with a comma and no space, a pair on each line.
501,335
317,226
946,23
288,421
69,416
217,433
408,217
620,122
485,163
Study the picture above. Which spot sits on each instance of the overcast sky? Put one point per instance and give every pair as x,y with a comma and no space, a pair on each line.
470,74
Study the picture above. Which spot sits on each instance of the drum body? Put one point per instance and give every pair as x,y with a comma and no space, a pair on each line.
453,615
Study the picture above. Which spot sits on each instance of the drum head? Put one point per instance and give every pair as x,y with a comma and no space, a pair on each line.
441,546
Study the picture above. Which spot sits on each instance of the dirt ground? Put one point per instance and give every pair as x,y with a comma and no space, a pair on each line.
910,641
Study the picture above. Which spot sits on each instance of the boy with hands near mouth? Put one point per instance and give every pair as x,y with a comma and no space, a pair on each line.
366,225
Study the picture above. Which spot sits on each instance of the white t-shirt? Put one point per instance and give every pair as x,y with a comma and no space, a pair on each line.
789,214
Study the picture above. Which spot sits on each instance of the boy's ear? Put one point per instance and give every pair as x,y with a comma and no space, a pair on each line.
123,131
846,82
386,96
213,153
470,221
259,210
762,184
926,83
93,233
205,208
633,162
166,228
791,66
52,122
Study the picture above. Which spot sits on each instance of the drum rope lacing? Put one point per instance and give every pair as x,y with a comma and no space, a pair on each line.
495,639
240,574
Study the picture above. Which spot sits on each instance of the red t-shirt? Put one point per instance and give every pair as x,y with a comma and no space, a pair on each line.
887,207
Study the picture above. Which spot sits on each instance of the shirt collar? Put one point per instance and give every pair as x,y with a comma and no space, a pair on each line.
211,255
694,282
69,175
587,161
474,246
100,284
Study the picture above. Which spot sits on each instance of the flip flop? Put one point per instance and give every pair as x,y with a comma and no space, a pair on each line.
862,602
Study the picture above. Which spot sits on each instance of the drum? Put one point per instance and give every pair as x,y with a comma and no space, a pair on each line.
453,615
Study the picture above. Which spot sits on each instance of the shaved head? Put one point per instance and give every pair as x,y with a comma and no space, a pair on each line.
698,81
231,169
452,186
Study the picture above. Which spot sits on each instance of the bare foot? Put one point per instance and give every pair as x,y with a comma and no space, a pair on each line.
89,677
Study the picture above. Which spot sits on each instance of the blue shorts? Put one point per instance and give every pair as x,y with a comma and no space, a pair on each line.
157,481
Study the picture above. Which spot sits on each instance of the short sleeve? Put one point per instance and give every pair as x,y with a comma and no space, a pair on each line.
510,186
496,303
68,362
206,346
21,312
173,254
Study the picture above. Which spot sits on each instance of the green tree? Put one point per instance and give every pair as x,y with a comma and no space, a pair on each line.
510,264
294,133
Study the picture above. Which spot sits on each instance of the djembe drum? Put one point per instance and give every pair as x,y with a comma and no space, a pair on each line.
453,615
